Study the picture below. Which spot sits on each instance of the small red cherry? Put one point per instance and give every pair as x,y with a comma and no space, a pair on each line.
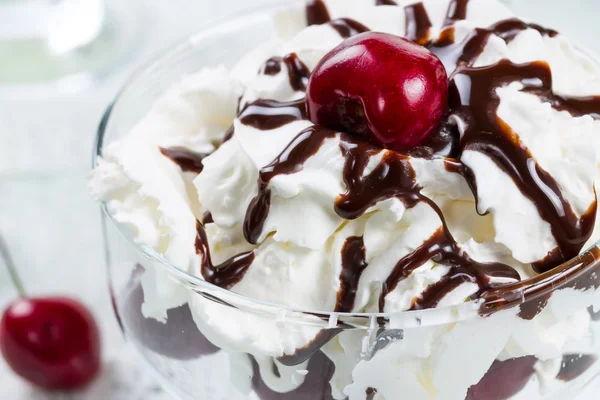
380,86
52,342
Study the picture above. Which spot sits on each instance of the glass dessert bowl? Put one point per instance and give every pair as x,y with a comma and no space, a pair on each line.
530,337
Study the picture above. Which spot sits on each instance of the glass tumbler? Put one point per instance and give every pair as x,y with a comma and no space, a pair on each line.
533,340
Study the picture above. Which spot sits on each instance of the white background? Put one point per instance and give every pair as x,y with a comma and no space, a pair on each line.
52,227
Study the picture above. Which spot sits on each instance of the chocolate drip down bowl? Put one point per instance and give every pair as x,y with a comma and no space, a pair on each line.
359,200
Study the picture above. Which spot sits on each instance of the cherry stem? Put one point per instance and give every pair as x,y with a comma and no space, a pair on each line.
12,270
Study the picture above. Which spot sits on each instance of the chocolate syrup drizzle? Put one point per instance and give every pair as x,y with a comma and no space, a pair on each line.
393,177
304,353
298,72
370,392
347,27
443,249
475,102
354,262
227,274
187,160
467,51
486,133
317,13
457,11
270,114
291,160
207,218
510,28
272,66
454,54
418,24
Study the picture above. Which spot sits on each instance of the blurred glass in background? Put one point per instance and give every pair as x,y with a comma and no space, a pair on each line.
67,43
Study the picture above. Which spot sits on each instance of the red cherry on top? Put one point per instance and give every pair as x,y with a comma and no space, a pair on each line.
381,86
53,343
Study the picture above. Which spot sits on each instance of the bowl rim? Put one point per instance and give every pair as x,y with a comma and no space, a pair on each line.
505,297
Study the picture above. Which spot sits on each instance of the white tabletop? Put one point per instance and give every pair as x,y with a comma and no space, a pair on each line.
52,226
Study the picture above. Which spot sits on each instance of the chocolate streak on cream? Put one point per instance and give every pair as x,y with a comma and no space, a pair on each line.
370,392
466,52
298,72
270,114
227,274
317,13
291,160
457,11
510,28
453,54
434,294
207,218
489,135
347,27
575,365
576,107
187,160
418,24
304,353
393,177
443,249
354,262
272,66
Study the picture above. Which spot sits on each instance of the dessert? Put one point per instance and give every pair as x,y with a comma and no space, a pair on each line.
341,168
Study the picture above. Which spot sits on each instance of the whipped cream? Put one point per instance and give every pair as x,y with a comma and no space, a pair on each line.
227,170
